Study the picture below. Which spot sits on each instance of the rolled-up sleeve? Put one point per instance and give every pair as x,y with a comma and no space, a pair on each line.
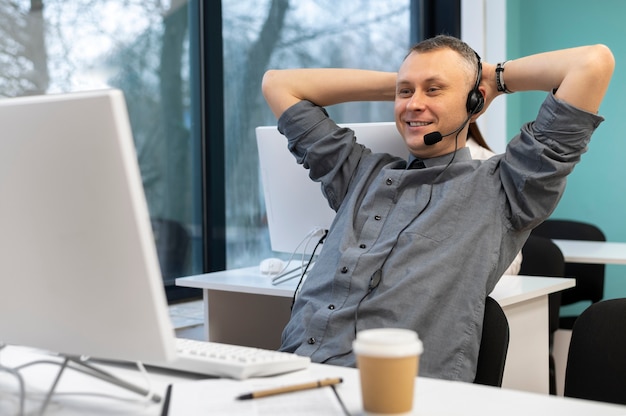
538,160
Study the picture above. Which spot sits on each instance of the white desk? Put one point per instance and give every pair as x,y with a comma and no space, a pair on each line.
81,394
243,307
600,252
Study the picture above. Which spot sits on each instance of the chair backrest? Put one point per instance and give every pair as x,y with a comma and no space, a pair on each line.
541,257
596,364
494,345
589,277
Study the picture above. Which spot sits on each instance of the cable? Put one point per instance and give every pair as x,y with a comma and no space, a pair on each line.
430,192
79,365
283,276
150,395
14,372
295,293
375,280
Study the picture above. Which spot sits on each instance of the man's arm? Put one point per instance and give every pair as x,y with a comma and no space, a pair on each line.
326,86
580,75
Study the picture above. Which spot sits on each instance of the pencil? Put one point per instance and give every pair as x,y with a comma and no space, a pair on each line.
288,389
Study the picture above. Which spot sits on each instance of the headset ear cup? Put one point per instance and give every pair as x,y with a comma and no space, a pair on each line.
475,102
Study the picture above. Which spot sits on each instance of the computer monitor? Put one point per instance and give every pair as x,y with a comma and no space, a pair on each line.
294,204
79,273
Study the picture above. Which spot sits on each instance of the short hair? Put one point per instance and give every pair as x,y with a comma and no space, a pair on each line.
438,42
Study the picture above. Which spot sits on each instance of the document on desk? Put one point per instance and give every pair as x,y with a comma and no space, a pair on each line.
219,396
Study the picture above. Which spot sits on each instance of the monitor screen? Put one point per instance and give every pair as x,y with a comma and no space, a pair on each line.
294,203
78,267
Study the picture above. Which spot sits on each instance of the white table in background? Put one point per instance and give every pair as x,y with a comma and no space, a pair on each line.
599,252
243,307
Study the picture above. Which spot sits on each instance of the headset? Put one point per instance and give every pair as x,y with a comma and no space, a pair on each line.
475,100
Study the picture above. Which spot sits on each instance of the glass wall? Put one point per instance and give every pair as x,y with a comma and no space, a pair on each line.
150,49
144,48
266,34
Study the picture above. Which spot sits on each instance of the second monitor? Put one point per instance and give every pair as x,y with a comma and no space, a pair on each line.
294,203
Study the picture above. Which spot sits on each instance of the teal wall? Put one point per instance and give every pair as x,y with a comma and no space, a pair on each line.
596,190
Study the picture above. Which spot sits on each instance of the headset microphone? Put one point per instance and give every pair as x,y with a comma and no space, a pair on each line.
436,137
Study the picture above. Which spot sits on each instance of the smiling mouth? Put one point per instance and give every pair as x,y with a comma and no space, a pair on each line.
418,123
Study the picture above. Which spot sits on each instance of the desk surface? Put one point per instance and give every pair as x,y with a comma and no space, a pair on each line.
601,252
524,300
81,394
245,280
510,289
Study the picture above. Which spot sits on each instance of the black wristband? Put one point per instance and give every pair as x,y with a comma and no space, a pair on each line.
500,85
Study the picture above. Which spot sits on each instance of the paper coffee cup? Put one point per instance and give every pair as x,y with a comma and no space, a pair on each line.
388,363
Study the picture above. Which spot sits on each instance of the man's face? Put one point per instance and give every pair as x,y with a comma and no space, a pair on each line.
431,95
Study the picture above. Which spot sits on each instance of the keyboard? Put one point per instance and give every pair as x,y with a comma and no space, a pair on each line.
232,361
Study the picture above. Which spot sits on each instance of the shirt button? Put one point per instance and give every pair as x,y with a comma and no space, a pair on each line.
344,269
362,246
311,341
389,181
331,307
377,217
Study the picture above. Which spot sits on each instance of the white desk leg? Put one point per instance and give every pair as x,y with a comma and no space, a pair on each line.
205,304
527,361
562,338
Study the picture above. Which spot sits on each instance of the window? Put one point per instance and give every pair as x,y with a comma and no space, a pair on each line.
145,48
151,50
278,34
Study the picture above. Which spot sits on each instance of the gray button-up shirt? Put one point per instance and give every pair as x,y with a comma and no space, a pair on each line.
421,248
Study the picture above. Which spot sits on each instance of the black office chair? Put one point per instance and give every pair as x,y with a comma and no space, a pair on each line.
589,277
494,345
596,364
541,257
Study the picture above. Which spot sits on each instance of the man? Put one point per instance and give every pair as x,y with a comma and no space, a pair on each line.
421,243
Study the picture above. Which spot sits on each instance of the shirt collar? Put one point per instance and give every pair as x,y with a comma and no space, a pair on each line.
462,154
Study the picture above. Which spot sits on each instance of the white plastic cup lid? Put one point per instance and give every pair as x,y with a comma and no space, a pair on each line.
387,342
